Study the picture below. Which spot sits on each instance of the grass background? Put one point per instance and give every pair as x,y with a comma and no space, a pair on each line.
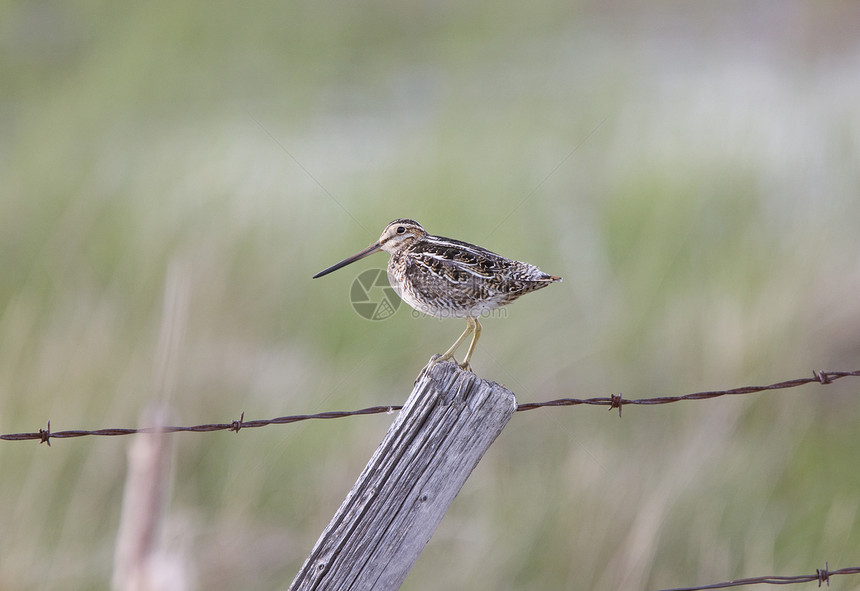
174,174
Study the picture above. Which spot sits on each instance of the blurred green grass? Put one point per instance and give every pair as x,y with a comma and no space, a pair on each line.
173,175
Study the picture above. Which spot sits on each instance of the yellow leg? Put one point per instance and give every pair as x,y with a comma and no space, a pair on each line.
476,327
449,354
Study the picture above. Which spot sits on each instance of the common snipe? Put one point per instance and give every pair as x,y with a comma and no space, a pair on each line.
448,278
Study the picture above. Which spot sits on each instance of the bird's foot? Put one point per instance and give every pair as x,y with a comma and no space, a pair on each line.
448,357
437,358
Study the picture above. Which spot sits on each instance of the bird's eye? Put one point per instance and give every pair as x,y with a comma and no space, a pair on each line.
400,229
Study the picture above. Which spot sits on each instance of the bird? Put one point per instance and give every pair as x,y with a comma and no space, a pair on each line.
447,278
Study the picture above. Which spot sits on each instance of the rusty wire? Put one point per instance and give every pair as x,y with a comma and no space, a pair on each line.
821,575
616,401
45,435
613,401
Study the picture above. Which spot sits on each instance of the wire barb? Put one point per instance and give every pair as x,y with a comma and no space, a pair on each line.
236,425
615,401
45,435
823,575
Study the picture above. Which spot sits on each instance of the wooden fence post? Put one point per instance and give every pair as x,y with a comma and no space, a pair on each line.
446,425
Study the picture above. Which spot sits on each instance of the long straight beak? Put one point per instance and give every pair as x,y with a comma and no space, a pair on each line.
356,257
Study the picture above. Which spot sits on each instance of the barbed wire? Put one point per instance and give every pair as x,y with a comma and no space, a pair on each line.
821,575
612,401
616,401
45,435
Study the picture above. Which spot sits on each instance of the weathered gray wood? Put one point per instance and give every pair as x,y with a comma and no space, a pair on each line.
446,425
